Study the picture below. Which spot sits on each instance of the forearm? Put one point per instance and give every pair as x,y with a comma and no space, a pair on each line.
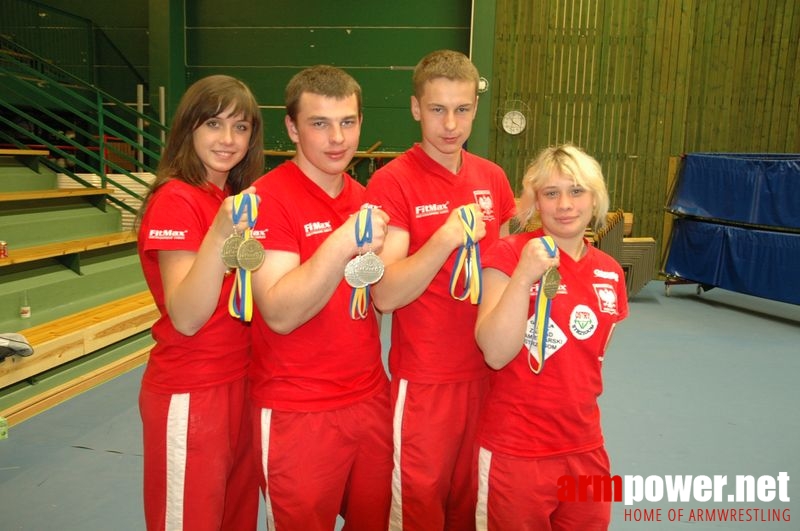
500,332
406,279
194,298
304,290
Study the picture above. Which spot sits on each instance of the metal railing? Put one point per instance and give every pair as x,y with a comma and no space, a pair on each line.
45,106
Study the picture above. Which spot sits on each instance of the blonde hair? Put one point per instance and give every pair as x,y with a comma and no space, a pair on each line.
570,161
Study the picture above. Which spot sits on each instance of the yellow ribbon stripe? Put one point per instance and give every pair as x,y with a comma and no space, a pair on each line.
542,317
468,260
240,302
359,302
359,297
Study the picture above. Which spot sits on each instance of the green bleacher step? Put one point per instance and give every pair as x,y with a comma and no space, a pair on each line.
54,290
25,224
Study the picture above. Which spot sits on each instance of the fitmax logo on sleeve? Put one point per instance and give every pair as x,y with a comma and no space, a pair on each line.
167,234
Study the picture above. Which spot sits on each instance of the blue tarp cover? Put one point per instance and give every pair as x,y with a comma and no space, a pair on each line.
756,262
750,188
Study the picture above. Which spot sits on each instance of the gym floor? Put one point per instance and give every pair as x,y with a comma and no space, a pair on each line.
695,385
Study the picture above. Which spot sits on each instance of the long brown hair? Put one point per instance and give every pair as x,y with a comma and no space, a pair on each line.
205,99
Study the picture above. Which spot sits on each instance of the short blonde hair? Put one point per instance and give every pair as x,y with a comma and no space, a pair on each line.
448,64
570,161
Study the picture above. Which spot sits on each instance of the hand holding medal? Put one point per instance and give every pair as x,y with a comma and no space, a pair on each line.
468,259
548,289
243,253
364,269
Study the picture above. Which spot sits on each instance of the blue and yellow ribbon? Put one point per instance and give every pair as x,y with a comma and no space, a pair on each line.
359,302
468,260
359,297
542,315
240,302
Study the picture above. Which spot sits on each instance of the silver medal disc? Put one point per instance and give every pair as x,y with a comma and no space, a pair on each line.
370,268
351,273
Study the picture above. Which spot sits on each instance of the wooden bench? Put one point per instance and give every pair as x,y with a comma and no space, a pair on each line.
63,340
55,193
68,338
28,157
52,396
65,248
96,196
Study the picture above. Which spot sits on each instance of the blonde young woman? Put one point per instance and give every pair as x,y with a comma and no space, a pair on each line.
541,420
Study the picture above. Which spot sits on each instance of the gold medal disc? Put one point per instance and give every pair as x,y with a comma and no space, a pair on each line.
550,282
230,249
250,254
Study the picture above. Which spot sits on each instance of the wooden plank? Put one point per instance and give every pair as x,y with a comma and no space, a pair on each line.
56,249
52,397
672,175
63,340
24,152
28,195
785,49
628,217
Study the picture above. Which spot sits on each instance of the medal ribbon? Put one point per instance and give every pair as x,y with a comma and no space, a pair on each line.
359,302
542,315
359,297
240,303
468,260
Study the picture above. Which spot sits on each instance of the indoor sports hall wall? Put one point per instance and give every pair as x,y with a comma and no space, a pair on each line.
635,83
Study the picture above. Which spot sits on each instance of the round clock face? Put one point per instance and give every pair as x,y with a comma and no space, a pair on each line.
514,122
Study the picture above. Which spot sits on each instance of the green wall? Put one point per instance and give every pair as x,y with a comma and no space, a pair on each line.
120,47
174,42
265,43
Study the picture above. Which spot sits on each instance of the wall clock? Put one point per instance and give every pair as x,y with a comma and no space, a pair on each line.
514,122
512,116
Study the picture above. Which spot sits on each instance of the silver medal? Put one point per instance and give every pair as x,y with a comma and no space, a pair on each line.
369,268
351,275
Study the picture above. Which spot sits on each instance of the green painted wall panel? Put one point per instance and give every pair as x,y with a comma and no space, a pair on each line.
361,47
250,13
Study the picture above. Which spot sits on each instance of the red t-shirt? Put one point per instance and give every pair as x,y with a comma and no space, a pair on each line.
177,218
433,337
555,412
331,360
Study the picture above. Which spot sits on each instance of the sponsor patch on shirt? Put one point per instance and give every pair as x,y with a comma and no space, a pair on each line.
317,227
433,209
608,275
556,338
582,322
167,234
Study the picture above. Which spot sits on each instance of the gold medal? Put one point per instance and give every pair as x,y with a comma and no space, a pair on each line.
230,249
351,275
369,268
550,282
250,254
